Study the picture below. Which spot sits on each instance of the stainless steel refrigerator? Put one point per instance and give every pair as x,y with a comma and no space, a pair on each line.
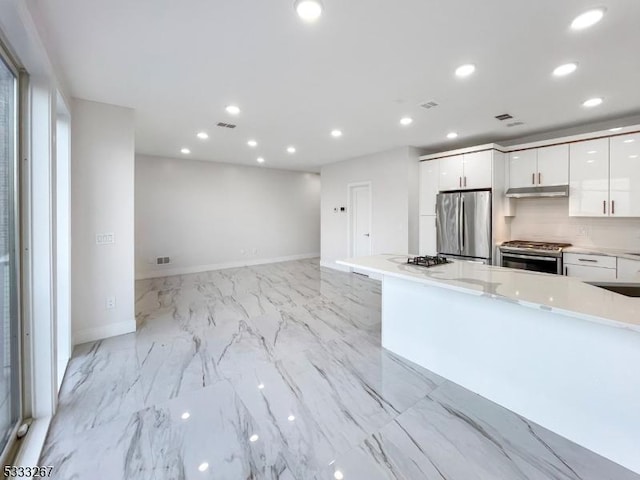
463,222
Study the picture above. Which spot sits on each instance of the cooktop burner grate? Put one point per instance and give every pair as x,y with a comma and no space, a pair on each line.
428,261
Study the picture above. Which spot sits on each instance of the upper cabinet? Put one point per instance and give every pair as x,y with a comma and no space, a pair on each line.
589,178
624,175
539,167
553,165
478,170
523,168
429,185
466,172
605,177
451,173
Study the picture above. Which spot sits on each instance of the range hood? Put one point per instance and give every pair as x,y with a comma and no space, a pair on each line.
551,191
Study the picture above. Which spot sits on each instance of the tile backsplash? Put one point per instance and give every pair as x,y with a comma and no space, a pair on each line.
547,219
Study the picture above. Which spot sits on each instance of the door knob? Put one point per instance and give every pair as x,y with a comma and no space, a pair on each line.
366,234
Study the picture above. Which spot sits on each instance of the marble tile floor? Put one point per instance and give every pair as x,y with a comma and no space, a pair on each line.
276,372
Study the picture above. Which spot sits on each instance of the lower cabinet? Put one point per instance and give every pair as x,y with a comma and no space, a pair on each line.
427,235
590,273
590,267
628,270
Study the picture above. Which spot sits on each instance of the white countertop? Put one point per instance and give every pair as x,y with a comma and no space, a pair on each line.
557,293
610,252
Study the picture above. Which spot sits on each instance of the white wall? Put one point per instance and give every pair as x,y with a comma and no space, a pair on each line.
207,215
547,219
102,183
394,191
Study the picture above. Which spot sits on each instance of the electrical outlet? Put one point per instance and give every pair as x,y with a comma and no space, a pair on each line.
110,303
582,231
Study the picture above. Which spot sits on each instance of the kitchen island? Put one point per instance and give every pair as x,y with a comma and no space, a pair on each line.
554,349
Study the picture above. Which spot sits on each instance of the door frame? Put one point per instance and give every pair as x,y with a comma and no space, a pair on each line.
350,188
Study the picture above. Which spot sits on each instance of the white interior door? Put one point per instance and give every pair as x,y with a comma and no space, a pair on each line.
360,218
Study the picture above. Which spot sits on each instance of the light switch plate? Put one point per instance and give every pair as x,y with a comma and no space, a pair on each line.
105,238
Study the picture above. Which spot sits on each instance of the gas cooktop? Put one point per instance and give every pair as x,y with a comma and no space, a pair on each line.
540,246
428,261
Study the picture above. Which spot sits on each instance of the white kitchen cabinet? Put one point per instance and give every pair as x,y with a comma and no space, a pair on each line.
539,167
589,266
470,171
523,167
589,178
586,272
590,260
553,165
429,185
427,235
628,270
451,173
478,170
624,175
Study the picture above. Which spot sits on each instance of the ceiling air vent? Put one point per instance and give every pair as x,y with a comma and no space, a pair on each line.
226,125
503,117
429,104
515,124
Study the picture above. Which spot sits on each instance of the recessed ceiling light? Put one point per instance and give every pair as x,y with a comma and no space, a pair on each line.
203,466
616,129
202,135
308,10
465,70
592,102
291,418
630,140
336,133
338,475
185,151
565,69
253,438
452,135
291,149
260,160
252,143
232,109
587,19
185,415
406,121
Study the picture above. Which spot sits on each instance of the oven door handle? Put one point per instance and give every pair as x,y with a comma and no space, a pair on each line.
528,257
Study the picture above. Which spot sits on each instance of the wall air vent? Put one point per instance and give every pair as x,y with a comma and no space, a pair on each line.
515,124
503,117
429,104
226,125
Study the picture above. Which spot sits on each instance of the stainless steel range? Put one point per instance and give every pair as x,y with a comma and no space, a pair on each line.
536,256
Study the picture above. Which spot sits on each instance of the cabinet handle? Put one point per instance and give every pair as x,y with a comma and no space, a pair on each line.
460,181
533,179
539,178
465,181
566,271
604,207
613,207
587,260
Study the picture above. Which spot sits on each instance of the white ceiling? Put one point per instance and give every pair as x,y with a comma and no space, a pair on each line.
362,67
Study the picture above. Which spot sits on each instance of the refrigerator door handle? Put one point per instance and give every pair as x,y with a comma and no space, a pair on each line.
461,228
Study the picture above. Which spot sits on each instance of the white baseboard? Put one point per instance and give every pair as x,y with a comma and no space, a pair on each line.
333,265
104,331
342,268
221,266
